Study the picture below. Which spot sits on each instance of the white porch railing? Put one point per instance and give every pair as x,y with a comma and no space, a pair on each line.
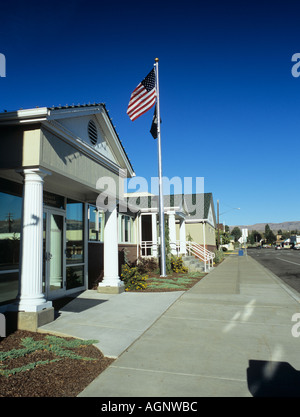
149,248
200,252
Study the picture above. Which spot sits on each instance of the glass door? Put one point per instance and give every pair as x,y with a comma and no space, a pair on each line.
54,254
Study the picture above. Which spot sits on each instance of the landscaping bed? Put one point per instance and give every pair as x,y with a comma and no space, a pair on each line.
144,275
172,282
41,365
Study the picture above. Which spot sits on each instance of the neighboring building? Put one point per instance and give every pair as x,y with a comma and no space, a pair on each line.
191,217
294,240
51,231
201,223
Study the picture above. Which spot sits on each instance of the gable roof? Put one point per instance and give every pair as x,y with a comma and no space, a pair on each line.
196,206
50,115
199,205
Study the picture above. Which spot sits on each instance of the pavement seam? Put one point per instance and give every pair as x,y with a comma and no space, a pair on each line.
176,373
229,321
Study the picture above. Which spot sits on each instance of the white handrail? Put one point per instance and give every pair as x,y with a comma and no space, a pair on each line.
147,247
200,252
192,248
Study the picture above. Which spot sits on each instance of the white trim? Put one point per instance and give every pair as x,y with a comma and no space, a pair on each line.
48,116
117,142
25,116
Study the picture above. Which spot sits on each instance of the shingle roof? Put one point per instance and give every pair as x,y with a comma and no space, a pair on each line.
197,205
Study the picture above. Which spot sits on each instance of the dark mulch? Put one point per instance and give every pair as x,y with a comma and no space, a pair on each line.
65,378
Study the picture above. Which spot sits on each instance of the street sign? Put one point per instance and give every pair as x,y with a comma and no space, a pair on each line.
245,233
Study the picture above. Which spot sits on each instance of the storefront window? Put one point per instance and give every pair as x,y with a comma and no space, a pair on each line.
10,230
74,232
74,244
96,224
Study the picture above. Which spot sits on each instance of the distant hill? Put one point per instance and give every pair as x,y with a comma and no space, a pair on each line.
260,227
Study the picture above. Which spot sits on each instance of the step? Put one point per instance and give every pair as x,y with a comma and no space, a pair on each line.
194,265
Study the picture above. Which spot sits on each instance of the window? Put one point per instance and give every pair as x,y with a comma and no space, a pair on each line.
96,224
10,230
126,229
74,244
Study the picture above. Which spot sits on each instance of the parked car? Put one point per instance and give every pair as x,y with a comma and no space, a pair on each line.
278,247
296,247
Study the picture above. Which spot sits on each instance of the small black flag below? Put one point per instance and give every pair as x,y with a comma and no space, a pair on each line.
153,129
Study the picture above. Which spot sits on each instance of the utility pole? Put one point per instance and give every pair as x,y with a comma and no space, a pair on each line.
218,224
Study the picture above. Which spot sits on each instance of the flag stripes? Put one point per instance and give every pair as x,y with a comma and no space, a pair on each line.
143,97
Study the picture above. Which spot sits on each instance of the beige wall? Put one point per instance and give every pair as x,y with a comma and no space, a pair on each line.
73,172
19,146
64,159
196,232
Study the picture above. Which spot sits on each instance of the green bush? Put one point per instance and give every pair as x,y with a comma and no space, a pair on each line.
132,278
177,264
145,265
219,256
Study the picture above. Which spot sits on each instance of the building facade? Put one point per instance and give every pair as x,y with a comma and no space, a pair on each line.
54,165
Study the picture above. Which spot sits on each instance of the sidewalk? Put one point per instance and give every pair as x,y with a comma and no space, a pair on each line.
229,335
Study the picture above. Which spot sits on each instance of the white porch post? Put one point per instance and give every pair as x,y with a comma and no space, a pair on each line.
111,282
182,237
31,297
172,228
154,236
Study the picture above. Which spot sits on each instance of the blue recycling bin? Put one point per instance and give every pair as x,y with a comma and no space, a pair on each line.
241,252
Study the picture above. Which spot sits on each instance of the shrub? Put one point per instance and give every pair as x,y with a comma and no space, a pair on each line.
177,264
145,265
132,278
219,256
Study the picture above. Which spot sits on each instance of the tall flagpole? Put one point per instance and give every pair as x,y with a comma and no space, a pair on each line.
161,196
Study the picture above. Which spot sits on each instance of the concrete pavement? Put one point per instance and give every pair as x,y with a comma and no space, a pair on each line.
229,335
116,320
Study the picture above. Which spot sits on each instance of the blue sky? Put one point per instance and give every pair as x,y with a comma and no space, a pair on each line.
229,103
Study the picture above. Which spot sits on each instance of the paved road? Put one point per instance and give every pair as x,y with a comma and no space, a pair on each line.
284,263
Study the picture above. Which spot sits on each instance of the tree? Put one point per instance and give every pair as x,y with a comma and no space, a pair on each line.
236,233
269,235
267,229
255,236
224,238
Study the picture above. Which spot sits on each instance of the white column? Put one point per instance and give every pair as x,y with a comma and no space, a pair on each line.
154,236
172,228
111,282
182,237
31,297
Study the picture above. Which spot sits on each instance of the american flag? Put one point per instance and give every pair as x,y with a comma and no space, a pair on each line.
143,97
